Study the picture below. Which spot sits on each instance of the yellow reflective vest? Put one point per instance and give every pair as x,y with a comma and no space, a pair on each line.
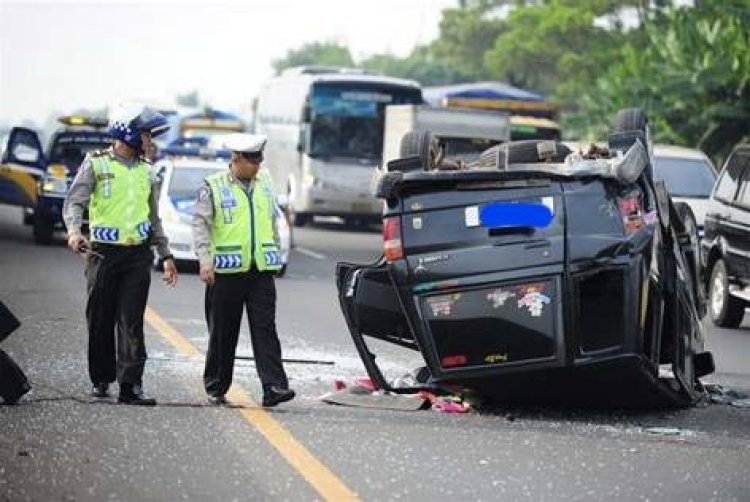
119,204
242,226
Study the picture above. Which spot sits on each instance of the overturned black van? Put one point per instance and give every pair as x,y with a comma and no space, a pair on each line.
535,274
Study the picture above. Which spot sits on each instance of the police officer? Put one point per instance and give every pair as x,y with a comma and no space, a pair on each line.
116,187
238,247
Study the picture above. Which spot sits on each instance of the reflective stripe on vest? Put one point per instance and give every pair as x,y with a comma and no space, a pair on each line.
119,205
236,221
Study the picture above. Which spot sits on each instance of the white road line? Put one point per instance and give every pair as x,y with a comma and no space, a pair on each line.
310,253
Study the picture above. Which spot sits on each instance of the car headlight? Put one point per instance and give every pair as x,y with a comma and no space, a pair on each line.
54,185
55,179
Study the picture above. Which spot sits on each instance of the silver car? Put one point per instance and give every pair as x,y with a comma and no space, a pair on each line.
689,176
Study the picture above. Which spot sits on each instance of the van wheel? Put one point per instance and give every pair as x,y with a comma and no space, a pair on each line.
521,152
631,119
726,310
301,219
28,216
418,144
43,230
692,254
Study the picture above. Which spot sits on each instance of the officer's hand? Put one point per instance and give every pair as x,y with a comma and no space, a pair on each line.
77,243
207,273
170,272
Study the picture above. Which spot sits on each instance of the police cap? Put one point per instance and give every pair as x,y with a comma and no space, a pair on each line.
252,144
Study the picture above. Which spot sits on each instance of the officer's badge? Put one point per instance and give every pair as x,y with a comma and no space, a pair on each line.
204,194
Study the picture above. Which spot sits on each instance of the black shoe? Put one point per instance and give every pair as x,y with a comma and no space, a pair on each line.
100,390
275,395
133,394
217,400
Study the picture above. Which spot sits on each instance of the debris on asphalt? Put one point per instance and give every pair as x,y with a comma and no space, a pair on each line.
665,431
362,392
359,396
446,404
718,394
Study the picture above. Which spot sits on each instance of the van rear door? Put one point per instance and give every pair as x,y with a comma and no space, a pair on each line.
483,272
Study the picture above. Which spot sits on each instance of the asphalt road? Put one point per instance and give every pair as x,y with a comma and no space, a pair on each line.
57,445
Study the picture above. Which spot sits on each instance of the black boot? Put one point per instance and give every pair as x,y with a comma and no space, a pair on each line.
275,395
100,390
133,394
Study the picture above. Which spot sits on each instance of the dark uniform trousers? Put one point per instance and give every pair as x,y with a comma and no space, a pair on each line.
117,288
225,299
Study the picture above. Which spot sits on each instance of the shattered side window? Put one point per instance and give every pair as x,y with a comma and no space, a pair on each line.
744,197
726,189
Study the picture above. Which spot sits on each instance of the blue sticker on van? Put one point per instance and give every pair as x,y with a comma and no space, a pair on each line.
515,215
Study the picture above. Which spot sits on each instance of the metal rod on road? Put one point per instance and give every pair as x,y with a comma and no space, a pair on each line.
298,361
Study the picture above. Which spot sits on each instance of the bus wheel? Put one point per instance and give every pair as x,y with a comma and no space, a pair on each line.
43,230
302,219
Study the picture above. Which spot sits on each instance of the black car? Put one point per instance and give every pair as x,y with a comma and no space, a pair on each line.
726,244
535,275
40,180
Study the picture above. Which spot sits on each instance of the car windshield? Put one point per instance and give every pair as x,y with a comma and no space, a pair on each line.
685,177
70,150
347,119
184,184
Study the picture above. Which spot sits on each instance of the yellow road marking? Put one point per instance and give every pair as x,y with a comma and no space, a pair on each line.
313,470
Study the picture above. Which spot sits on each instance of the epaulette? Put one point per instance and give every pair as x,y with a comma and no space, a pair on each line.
99,153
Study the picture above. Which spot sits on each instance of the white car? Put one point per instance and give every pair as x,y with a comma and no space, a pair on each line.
181,176
689,176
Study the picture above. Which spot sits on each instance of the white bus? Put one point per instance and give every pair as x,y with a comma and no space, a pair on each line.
325,138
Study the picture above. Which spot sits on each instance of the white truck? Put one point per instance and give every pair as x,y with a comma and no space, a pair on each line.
464,132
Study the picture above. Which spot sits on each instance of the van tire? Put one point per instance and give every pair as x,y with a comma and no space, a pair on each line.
43,230
301,219
417,144
28,216
692,258
518,152
631,119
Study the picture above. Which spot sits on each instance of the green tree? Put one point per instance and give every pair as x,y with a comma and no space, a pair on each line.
466,34
422,65
555,48
315,53
692,78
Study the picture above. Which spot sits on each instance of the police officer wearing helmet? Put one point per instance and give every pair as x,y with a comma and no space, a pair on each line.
116,187
237,244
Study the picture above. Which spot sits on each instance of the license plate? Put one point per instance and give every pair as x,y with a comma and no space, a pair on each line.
527,214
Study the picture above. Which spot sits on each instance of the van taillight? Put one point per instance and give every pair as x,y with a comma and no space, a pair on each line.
392,239
631,210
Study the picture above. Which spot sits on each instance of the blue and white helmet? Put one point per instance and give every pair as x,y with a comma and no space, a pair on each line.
127,122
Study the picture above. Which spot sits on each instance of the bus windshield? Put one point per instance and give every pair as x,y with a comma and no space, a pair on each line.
347,119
